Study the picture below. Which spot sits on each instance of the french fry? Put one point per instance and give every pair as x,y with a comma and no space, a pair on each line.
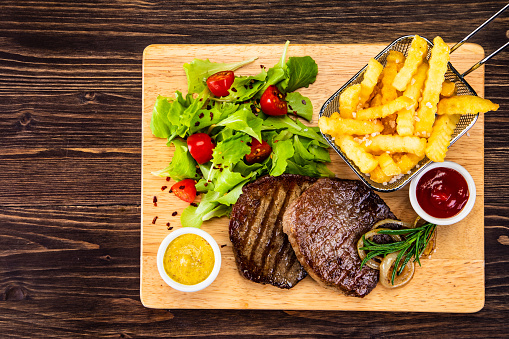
465,104
377,175
432,88
370,80
335,125
448,89
396,143
407,161
387,165
416,55
385,109
355,152
348,101
395,61
406,117
440,138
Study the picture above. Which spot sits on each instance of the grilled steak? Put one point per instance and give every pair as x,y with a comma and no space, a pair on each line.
324,225
262,251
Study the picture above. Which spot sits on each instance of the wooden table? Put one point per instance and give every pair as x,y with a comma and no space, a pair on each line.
70,159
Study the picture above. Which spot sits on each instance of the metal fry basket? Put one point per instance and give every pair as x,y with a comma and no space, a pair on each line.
402,45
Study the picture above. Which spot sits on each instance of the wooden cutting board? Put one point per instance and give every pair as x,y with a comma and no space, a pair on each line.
451,281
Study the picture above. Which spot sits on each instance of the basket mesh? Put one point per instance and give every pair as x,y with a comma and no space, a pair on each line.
466,122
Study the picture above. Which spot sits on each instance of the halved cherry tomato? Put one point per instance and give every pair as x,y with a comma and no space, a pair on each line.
273,102
185,190
259,152
219,83
200,146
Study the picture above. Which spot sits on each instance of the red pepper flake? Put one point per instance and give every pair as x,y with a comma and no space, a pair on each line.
223,246
170,228
154,220
211,116
168,224
234,89
163,188
303,101
174,213
197,123
170,191
201,114
194,204
167,178
182,187
154,200
206,184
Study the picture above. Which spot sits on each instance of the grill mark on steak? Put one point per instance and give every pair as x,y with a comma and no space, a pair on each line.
248,242
324,225
278,236
262,250
265,224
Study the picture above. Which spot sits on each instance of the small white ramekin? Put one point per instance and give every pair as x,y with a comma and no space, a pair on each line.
444,221
162,251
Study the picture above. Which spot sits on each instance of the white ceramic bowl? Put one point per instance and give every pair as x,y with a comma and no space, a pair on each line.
164,246
466,209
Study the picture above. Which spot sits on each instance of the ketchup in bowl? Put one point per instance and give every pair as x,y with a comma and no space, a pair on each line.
442,192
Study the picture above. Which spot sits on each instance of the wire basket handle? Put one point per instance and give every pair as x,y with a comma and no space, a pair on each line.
483,61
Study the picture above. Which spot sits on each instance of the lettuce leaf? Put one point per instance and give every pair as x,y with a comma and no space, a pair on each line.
182,165
245,121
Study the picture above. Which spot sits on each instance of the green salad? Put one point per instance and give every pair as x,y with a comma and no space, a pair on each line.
246,127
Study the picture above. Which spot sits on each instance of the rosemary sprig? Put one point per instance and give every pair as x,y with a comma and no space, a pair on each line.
415,241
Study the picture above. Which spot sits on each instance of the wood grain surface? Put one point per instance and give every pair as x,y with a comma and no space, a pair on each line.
70,159
451,281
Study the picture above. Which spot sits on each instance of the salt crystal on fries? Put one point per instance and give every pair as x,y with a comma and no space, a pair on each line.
432,87
441,137
364,160
384,110
465,104
416,55
370,80
348,101
335,125
396,143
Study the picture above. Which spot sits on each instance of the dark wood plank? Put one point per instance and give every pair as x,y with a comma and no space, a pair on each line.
70,108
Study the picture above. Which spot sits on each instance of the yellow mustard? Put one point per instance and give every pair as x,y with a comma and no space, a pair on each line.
189,259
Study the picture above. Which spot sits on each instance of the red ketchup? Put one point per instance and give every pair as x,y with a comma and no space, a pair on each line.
442,192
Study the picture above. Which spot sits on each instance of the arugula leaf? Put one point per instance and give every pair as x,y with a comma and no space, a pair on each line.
300,105
182,165
233,195
301,71
198,71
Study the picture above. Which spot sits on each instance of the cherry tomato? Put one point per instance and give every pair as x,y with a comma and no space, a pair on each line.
259,152
185,190
273,102
200,146
219,83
